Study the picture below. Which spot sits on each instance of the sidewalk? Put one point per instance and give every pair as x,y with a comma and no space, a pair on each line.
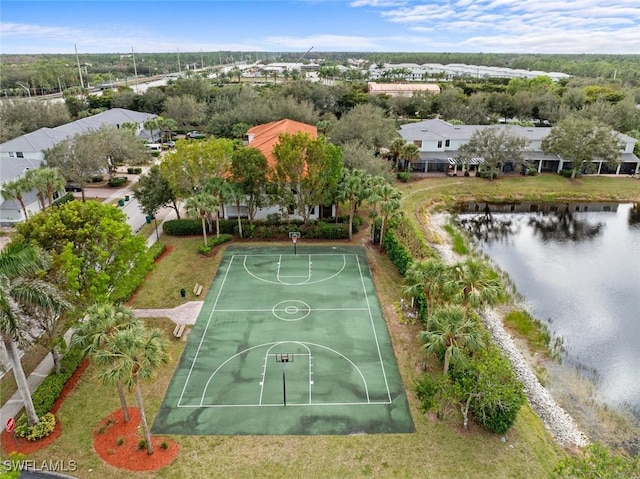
183,314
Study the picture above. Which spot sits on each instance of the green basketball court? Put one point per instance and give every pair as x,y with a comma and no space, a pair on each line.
288,344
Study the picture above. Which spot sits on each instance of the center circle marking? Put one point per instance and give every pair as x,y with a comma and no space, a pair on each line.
291,310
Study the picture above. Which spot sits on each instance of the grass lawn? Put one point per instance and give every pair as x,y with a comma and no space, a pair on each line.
438,448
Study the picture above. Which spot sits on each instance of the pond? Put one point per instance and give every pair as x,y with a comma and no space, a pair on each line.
578,267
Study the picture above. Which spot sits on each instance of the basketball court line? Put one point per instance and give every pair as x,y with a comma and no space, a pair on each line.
204,333
213,309
274,344
375,335
308,281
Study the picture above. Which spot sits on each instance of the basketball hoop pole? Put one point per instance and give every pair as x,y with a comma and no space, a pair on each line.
284,358
284,384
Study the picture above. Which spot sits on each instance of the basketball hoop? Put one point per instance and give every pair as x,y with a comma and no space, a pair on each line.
294,235
294,238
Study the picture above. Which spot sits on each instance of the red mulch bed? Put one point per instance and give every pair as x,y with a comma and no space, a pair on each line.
21,445
116,442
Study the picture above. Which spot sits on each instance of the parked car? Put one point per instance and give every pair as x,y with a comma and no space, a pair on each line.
195,135
169,144
72,187
154,146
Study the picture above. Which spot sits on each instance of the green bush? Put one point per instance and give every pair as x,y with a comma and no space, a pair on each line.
134,170
213,242
399,255
97,179
157,249
566,173
184,227
403,177
64,199
32,433
430,392
532,172
46,394
117,181
497,395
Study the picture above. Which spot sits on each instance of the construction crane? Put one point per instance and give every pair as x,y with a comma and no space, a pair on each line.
304,55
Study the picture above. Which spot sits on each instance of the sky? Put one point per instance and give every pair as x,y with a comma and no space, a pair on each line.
488,26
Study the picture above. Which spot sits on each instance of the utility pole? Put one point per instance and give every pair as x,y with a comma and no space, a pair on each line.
135,69
79,69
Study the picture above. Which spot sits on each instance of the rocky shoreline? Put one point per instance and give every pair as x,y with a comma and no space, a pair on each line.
558,422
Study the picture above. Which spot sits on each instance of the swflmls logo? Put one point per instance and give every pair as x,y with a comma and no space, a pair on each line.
31,464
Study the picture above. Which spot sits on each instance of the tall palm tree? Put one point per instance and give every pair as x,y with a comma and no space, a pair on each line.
410,153
37,181
353,188
101,324
477,284
432,278
53,181
395,150
133,356
14,190
388,198
200,206
217,190
151,125
232,192
20,293
452,335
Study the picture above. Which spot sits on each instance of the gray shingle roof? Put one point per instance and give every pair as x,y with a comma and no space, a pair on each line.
45,138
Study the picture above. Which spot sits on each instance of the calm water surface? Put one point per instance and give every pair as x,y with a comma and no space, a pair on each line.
580,273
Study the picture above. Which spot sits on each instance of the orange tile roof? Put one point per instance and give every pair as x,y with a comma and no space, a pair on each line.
266,136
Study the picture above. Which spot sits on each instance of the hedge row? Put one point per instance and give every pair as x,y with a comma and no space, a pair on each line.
46,394
268,229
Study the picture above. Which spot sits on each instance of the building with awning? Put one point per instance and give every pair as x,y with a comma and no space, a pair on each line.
439,141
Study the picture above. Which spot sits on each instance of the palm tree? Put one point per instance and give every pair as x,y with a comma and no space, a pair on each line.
13,190
477,284
452,335
410,153
151,125
353,189
395,149
53,181
232,192
432,278
37,181
217,191
200,206
95,333
20,293
388,198
134,355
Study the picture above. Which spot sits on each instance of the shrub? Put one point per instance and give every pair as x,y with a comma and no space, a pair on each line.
64,199
134,170
403,177
399,255
184,227
117,181
429,391
97,179
566,173
496,394
164,445
46,394
532,172
142,444
120,441
157,249
212,243
32,433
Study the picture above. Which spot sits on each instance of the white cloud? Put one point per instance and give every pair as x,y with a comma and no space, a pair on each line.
325,42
